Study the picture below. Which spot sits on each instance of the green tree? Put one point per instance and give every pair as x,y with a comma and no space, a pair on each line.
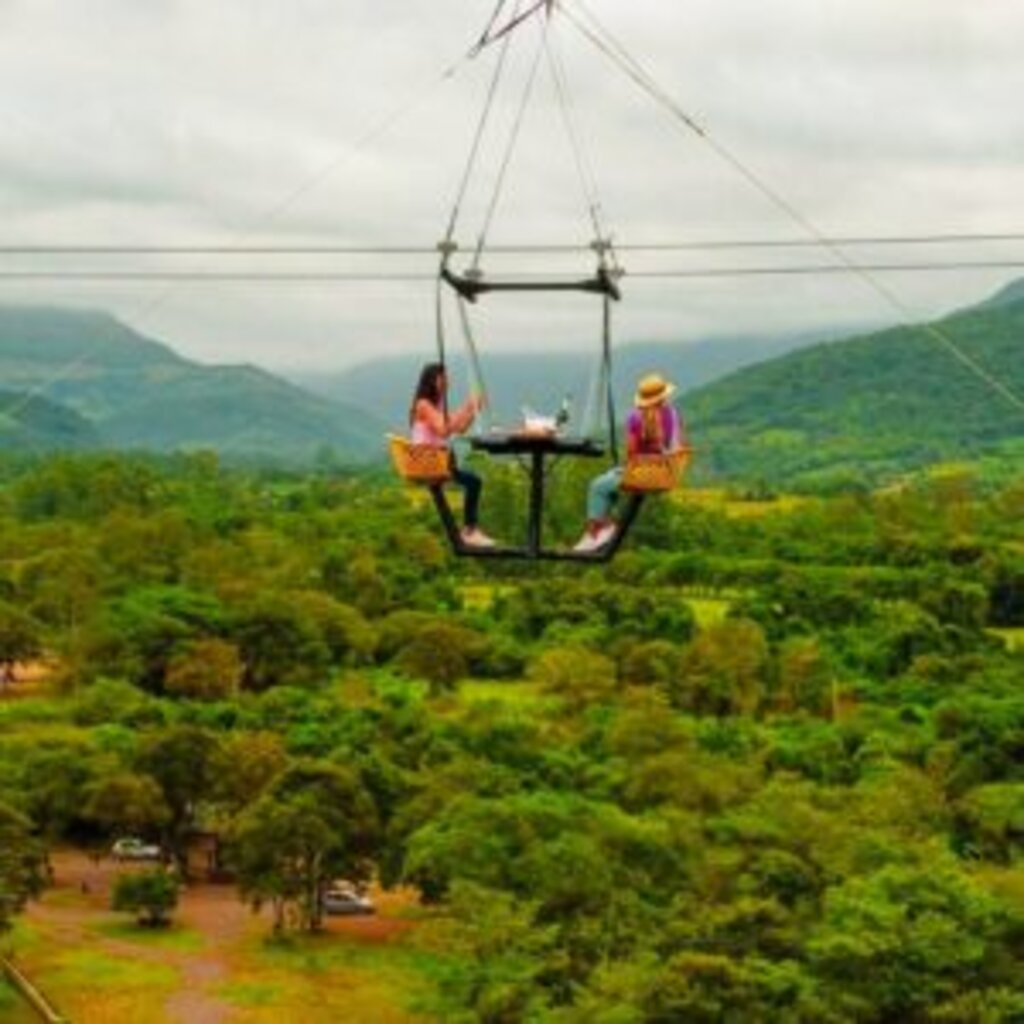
126,801
438,652
315,824
244,766
991,821
904,939
22,865
724,670
805,677
207,669
20,640
182,759
280,643
577,675
150,895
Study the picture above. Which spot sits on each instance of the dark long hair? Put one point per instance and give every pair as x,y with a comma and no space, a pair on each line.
428,388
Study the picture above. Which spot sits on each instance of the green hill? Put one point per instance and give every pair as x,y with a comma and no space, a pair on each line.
872,407
32,423
139,393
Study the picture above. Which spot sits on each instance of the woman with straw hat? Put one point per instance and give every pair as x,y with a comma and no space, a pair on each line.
653,426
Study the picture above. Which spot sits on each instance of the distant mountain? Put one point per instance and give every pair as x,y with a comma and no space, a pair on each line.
34,424
140,394
871,407
383,387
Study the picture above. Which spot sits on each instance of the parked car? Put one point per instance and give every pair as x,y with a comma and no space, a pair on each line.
131,848
347,903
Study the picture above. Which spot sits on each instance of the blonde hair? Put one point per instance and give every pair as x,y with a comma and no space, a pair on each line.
652,430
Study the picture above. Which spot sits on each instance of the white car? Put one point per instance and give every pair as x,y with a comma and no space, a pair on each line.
131,848
347,903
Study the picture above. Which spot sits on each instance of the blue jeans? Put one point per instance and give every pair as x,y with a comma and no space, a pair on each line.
471,486
602,494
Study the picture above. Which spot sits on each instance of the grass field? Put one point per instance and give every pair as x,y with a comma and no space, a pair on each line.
13,1009
1013,638
215,963
708,611
736,507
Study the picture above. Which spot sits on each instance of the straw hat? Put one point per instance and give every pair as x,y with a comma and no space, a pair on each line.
652,390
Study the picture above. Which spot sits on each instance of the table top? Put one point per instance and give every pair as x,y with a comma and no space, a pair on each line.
513,442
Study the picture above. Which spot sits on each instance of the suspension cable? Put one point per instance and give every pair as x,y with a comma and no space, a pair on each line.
242,276
493,35
510,149
525,248
584,169
481,128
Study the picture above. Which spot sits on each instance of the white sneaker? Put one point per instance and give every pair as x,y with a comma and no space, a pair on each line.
585,543
477,538
604,535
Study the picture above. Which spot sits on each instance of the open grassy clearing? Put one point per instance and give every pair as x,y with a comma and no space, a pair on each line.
708,611
739,508
523,694
1013,638
215,962
319,979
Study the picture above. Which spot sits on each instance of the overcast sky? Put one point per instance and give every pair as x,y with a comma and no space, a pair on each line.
186,122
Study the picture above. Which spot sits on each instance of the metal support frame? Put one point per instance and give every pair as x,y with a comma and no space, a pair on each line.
533,551
470,285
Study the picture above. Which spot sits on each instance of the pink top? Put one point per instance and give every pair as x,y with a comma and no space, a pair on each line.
423,432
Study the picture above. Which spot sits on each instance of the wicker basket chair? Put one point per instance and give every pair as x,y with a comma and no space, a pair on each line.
655,474
420,463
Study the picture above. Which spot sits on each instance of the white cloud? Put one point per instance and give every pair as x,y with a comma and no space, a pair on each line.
179,122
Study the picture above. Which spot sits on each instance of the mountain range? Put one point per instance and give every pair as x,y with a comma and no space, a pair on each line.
789,411
131,392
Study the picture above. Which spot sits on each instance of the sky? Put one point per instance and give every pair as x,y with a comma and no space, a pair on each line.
333,123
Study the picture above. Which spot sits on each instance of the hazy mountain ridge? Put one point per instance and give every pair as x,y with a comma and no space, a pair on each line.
140,394
384,386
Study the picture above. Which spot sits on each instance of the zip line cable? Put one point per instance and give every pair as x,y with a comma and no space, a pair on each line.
385,276
696,245
614,51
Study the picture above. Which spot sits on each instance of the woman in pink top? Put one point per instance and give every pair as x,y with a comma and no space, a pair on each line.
431,425
653,426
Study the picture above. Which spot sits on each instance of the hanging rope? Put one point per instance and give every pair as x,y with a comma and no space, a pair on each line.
442,356
481,128
606,43
584,169
509,150
476,372
606,347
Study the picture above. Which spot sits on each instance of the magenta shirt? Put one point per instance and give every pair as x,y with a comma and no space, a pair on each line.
671,429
